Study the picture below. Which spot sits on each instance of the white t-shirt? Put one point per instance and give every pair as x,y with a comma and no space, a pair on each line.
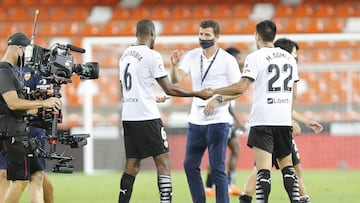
224,71
274,72
139,67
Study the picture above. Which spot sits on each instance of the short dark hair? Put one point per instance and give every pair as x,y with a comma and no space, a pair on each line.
286,44
144,27
233,51
212,24
267,30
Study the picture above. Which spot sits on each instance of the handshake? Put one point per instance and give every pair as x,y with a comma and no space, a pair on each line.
205,93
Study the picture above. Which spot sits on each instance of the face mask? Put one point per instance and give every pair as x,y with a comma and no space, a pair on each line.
296,59
206,43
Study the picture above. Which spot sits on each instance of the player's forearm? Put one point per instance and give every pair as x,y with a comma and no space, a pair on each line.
296,116
180,92
174,73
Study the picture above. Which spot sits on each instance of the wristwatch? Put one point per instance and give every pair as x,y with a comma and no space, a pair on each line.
219,98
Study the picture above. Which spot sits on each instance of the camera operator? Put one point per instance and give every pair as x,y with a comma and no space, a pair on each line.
35,84
22,166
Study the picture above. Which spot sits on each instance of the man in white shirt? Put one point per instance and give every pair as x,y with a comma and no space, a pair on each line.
144,134
273,73
209,66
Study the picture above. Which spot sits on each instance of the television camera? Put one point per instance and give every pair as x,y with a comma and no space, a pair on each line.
55,65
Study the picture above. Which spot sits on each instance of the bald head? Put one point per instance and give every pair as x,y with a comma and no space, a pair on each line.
144,27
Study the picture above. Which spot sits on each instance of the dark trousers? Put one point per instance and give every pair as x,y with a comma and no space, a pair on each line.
214,138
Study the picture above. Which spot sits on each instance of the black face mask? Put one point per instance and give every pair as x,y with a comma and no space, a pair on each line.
206,43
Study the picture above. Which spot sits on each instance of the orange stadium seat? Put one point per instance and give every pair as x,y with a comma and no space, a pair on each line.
201,11
60,14
222,11
128,29
242,10
80,13
28,3
283,10
340,55
120,13
336,25
49,3
325,10
68,3
112,28
70,29
304,10
171,27
181,11
191,27
48,29
345,9
19,14
44,14
316,26
355,56
91,29
141,12
151,2
295,25
161,12
9,3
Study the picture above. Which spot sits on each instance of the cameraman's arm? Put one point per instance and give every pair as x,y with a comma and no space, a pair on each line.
15,103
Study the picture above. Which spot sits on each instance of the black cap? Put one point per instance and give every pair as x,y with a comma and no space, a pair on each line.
19,39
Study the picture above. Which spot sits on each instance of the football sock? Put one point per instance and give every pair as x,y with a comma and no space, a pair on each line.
231,177
126,186
291,183
209,182
305,199
165,188
244,198
263,185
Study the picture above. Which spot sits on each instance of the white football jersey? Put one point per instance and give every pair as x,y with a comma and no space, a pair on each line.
274,72
139,67
223,71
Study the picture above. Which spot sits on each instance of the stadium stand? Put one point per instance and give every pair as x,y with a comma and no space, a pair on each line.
69,19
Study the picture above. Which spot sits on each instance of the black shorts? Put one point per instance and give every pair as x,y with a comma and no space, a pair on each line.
144,138
20,160
295,156
273,139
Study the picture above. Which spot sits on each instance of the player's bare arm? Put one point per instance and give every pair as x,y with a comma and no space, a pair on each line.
313,125
174,90
236,88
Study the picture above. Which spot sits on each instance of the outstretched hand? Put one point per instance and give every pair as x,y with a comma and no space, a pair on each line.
175,56
162,99
205,93
315,126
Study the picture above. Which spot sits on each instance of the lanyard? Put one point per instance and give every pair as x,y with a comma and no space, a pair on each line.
202,66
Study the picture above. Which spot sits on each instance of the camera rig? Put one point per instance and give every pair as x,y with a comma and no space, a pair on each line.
56,66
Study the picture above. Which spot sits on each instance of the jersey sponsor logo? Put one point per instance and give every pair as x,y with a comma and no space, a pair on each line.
27,76
277,101
134,100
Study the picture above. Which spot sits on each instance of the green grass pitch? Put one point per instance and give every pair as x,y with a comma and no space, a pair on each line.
335,186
